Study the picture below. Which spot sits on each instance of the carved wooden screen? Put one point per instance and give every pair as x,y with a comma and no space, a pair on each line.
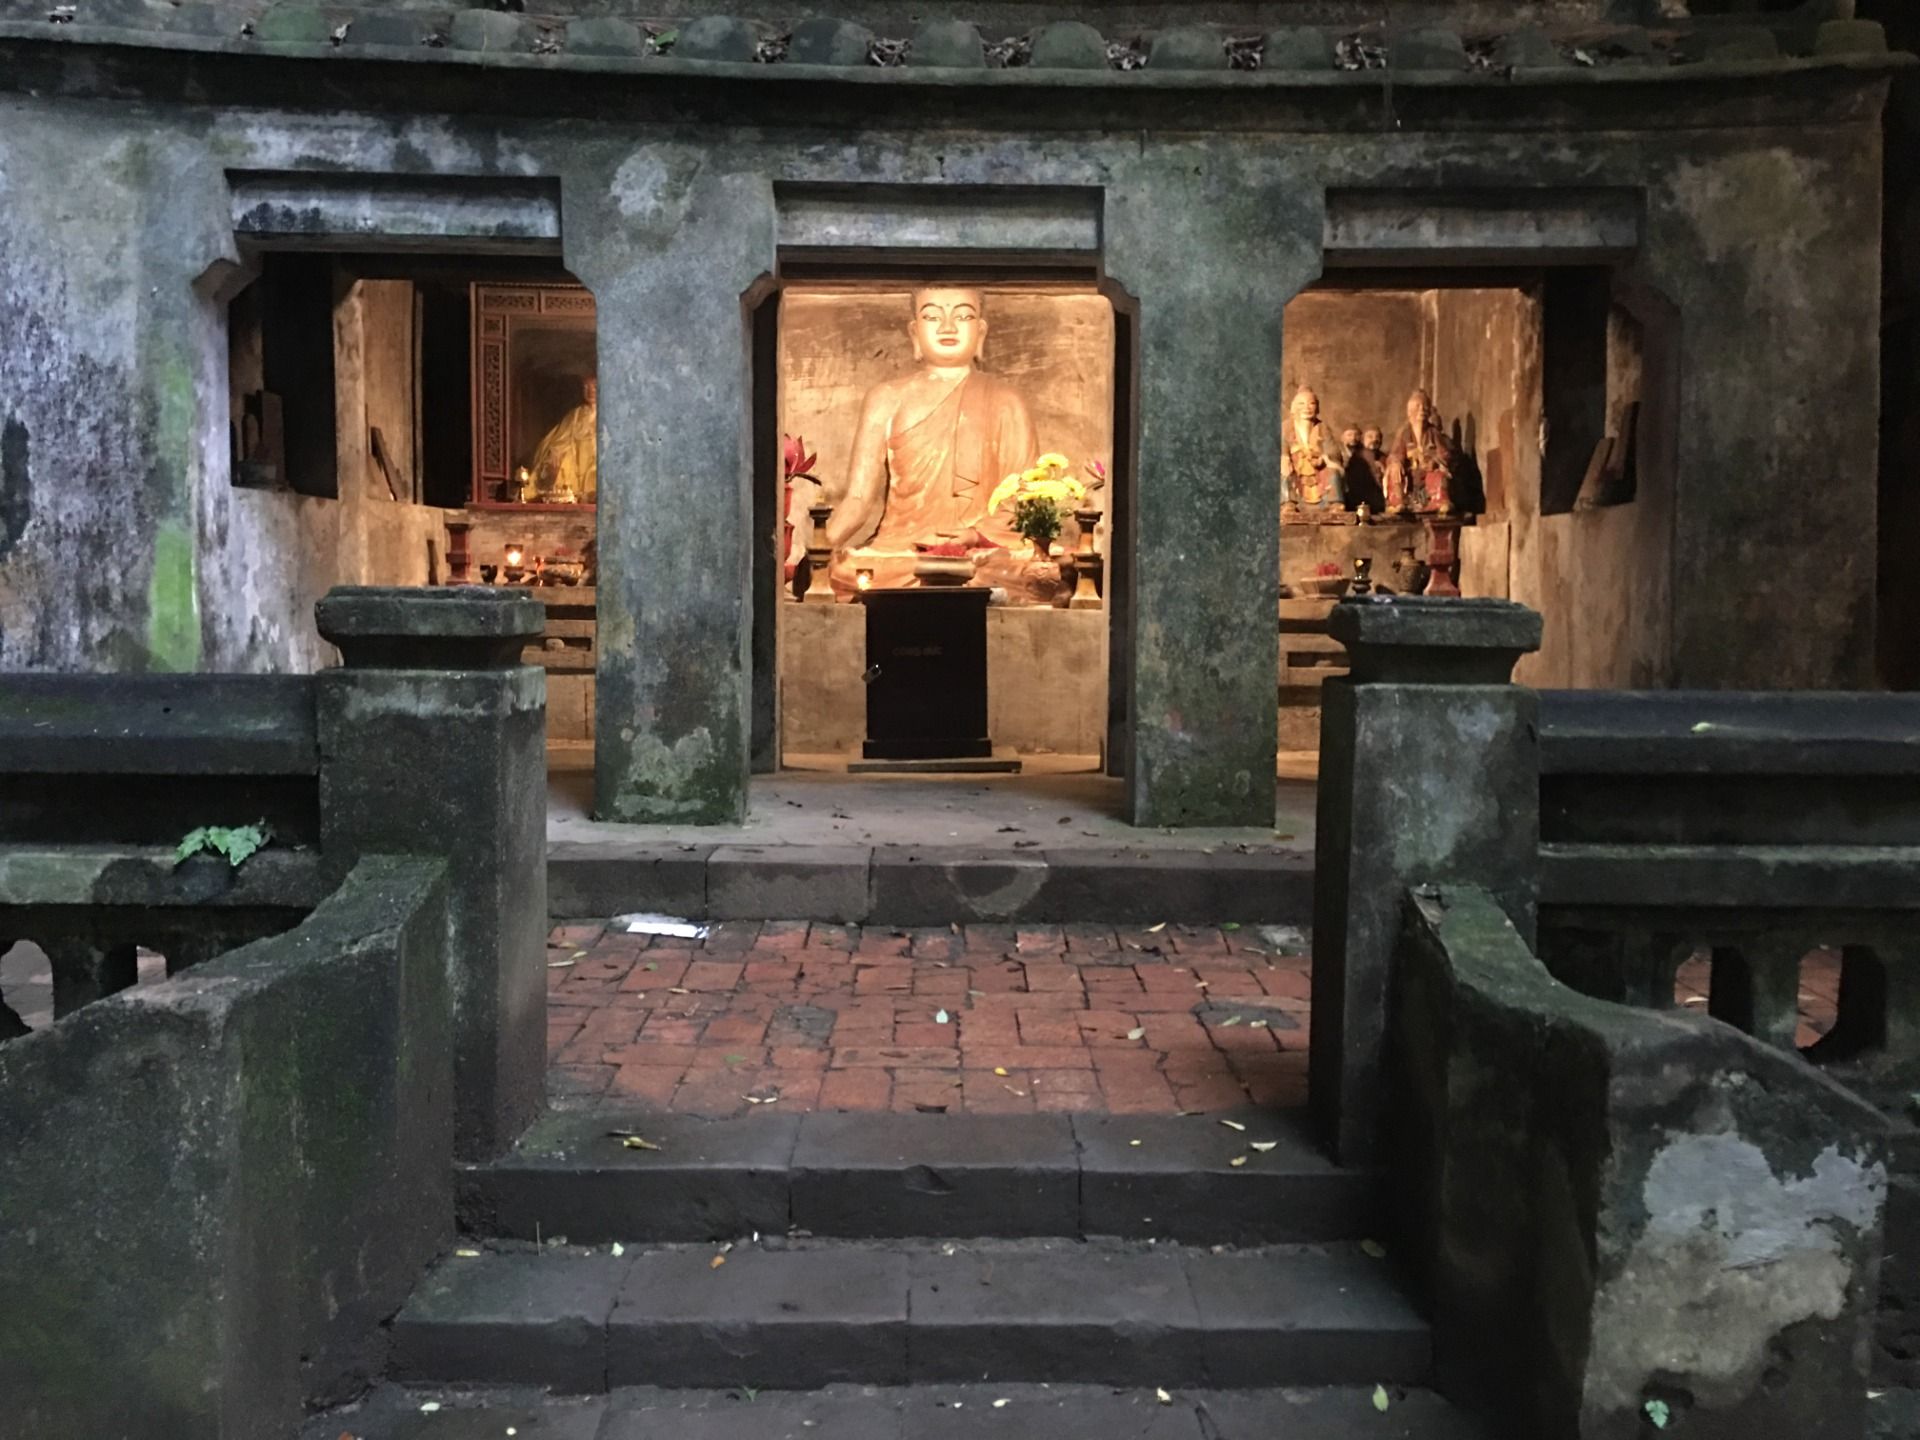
533,352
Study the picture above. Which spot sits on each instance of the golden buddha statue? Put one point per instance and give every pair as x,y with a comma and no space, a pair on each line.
930,448
566,463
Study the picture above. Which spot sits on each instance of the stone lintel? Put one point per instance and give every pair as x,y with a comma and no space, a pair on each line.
490,214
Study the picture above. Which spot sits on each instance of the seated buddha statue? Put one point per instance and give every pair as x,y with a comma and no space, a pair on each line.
929,450
1423,463
1310,462
566,463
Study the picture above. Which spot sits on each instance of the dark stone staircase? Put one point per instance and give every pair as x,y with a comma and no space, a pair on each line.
771,1258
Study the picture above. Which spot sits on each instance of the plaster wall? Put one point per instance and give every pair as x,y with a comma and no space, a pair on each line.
1359,351
1046,679
267,556
1761,226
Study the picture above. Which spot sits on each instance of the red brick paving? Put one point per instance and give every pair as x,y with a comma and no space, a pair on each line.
834,1017
1040,1019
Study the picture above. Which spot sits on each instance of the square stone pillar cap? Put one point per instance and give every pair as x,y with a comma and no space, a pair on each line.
1410,639
458,627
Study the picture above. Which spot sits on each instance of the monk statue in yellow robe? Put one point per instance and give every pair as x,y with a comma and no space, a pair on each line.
567,463
930,448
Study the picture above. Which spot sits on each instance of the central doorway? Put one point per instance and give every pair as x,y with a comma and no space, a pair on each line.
839,354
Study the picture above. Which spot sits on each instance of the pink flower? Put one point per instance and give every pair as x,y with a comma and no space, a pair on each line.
799,463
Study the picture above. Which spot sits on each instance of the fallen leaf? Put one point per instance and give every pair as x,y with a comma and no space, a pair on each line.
468,1254
716,1262
1163,1397
1234,1125
1139,1032
1373,1248
638,1142
1380,1401
429,1407
999,1404
1133,1143
999,1070
1230,925
1658,1413
1230,1020
1237,1161
939,1017
678,990
560,964
1155,930
1256,1024
618,1249
1263,1146
1700,729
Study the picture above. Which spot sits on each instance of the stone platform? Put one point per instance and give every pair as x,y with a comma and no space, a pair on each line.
1046,846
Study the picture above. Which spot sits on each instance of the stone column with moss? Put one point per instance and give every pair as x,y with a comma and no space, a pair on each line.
1211,261
1429,774
433,742
670,243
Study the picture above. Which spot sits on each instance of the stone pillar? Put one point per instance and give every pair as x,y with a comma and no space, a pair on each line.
1429,774
670,244
1212,261
433,742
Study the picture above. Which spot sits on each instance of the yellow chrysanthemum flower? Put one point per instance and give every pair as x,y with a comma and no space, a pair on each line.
1004,492
1052,460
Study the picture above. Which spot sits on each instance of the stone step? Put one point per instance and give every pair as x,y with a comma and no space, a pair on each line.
1140,883
921,1412
786,1315
884,1175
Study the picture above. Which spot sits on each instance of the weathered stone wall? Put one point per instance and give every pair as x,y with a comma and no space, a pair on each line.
1624,1220
1761,228
217,1187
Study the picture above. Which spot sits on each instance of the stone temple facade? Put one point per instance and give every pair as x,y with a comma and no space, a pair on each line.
1588,209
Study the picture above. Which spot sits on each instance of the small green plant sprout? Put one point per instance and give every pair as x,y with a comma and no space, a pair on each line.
236,842
1658,1413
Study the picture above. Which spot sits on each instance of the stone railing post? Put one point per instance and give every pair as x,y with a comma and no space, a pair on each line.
433,742
1429,773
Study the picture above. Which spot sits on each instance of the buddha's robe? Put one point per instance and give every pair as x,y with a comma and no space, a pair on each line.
569,457
942,470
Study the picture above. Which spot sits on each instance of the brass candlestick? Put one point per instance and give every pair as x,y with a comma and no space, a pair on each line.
819,556
1086,563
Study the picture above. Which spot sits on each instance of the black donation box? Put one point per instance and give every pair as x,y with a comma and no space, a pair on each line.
927,674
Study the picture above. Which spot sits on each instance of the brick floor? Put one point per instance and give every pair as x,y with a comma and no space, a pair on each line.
982,1019
1038,1019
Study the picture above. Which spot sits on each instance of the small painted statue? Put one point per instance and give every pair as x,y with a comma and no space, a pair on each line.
1421,469
1365,465
1311,464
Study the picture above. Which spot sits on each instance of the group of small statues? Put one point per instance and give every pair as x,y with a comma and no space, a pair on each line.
1421,475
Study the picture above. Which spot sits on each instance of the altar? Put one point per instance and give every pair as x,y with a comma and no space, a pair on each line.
926,682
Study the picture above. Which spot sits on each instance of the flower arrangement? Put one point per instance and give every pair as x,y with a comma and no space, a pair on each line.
1041,499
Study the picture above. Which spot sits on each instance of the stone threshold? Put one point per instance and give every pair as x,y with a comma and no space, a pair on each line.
908,885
